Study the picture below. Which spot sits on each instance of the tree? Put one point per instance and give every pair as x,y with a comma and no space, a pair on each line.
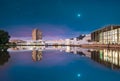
4,57
4,37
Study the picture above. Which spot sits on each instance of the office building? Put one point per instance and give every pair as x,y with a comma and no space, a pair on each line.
36,35
107,35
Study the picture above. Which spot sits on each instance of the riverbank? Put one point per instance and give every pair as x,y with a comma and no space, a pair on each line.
100,46
83,45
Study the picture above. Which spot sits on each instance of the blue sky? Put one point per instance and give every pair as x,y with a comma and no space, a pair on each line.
57,18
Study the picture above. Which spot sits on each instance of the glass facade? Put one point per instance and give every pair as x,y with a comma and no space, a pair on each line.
107,35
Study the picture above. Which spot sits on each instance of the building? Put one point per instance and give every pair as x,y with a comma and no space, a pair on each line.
85,40
36,35
82,39
17,41
107,35
55,42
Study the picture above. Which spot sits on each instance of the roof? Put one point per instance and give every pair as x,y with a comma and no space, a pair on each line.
107,28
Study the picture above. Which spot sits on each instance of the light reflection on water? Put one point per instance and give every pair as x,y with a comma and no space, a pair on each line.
107,57
59,63
37,50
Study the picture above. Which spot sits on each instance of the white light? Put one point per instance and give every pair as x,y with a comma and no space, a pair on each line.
78,15
78,75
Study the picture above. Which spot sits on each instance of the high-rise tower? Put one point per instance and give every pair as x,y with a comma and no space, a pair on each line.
36,34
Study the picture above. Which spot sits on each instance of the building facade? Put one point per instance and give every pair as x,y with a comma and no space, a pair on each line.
107,35
36,35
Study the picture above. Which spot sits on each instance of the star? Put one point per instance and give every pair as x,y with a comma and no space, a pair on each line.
78,15
78,75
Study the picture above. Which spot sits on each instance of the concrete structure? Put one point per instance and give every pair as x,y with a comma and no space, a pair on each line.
85,40
107,35
37,42
75,41
36,35
71,41
67,41
17,41
55,42
30,42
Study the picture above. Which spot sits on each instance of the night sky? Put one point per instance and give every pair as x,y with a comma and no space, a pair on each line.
57,18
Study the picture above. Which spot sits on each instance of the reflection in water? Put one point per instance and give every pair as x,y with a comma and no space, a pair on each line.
109,58
58,65
36,55
37,50
78,50
4,57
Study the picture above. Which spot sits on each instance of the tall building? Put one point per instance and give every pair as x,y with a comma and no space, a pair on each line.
36,34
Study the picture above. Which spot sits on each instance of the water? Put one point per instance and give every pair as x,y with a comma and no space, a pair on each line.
59,64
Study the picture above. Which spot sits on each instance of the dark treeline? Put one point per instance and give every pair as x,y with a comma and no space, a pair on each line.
4,37
4,40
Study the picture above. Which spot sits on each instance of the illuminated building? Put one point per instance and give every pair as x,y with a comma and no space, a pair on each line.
107,35
36,35
17,41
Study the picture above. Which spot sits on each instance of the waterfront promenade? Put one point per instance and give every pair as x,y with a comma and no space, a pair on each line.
83,45
101,45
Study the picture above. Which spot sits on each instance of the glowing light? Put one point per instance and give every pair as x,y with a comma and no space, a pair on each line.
78,75
78,15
